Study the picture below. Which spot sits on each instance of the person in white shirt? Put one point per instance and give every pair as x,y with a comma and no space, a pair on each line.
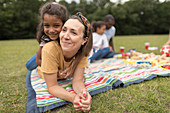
110,29
101,47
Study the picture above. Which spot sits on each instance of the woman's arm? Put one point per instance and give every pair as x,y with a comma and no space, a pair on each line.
77,83
38,58
79,87
55,89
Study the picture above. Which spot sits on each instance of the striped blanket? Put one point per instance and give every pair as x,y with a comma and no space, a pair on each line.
99,77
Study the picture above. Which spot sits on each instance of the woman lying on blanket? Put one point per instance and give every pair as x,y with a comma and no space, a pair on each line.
75,40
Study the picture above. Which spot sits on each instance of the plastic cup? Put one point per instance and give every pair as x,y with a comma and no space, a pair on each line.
122,49
147,45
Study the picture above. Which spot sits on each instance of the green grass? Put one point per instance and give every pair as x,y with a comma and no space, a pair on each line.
146,97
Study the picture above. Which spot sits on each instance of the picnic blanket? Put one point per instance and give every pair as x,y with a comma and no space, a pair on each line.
99,77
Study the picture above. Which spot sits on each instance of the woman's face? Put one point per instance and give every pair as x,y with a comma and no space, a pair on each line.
71,36
52,26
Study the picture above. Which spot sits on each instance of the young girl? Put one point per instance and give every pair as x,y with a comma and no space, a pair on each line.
54,25
52,18
101,47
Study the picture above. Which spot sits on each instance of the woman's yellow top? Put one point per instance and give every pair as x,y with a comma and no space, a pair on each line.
53,60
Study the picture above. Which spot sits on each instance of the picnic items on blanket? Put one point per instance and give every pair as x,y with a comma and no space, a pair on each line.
134,55
101,76
149,57
122,49
132,49
144,60
165,66
163,58
147,45
124,56
153,48
144,64
165,50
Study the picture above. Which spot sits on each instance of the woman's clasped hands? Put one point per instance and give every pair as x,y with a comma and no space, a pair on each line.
82,101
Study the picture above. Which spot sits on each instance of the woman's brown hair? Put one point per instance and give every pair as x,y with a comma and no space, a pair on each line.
86,48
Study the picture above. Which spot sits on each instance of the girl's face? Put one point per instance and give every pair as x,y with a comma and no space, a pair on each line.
52,26
101,30
71,36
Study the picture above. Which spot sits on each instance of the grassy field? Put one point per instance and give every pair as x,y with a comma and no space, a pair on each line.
149,96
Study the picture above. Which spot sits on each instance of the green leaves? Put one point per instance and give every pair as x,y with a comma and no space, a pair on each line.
19,18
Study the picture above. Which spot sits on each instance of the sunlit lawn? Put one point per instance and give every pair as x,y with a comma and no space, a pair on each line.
149,96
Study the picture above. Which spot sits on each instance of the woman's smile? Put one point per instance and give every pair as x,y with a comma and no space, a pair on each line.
71,37
66,43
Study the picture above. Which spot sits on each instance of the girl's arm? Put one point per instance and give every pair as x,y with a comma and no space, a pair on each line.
56,90
38,58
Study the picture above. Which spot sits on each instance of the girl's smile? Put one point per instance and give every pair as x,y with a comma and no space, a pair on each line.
52,26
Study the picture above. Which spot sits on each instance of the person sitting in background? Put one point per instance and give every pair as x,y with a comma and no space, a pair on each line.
110,30
101,47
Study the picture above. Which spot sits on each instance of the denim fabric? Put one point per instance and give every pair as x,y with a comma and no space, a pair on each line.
109,55
31,106
101,53
31,64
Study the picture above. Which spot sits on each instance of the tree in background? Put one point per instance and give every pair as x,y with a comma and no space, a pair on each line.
162,12
18,18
